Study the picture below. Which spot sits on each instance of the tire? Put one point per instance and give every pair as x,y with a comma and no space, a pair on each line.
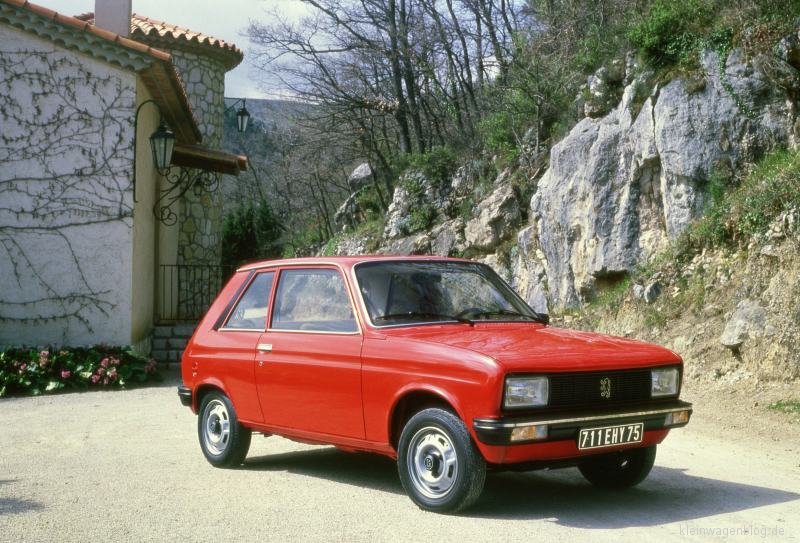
440,468
619,470
223,440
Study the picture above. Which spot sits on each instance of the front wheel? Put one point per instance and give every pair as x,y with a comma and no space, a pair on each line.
440,467
619,470
223,440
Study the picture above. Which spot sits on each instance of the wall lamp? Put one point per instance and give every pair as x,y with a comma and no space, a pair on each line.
162,142
242,115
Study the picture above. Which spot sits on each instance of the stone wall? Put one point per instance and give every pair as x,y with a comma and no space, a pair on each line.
200,222
65,195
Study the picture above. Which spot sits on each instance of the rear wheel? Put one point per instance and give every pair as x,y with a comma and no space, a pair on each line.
619,470
223,440
440,467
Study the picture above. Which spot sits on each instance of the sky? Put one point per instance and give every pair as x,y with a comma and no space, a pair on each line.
225,19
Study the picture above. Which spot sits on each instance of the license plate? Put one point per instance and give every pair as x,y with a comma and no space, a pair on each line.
609,436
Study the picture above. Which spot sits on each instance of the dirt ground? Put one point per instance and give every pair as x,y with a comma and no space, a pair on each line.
126,466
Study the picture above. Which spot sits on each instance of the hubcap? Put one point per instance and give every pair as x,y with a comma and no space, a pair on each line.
217,427
432,462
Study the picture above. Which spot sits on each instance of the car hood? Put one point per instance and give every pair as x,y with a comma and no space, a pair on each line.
535,347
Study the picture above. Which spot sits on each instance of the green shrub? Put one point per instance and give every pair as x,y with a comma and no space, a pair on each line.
496,131
437,165
250,232
671,33
370,202
421,217
772,188
734,217
33,371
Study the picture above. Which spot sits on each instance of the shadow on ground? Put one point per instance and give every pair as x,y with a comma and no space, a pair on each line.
562,496
11,506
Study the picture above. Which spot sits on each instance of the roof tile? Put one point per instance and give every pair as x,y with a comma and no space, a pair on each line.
148,27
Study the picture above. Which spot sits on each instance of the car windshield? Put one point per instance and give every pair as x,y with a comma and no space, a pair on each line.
413,292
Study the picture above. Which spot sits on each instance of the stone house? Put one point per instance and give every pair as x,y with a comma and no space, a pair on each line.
97,244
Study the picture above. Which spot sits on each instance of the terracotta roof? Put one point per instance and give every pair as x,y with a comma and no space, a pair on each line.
160,77
162,81
88,27
146,28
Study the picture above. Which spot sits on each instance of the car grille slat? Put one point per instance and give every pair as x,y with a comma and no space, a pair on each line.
584,389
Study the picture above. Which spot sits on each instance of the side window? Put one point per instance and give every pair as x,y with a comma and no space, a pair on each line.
313,300
250,313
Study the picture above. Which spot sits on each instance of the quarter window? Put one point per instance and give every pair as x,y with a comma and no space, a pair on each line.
250,312
313,300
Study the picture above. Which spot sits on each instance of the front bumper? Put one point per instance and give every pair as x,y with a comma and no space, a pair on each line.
566,426
185,395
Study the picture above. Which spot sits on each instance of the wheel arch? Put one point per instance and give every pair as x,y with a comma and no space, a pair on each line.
413,400
203,389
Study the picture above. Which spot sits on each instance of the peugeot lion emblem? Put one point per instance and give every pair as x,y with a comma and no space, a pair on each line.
605,387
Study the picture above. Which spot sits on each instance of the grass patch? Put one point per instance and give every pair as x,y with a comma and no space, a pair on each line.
611,296
371,229
786,406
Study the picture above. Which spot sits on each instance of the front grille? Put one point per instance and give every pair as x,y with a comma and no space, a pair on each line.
586,389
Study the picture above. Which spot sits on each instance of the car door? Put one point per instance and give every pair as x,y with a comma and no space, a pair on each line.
228,351
308,362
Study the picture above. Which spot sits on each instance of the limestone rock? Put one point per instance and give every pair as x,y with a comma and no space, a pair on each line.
528,276
415,244
351,245
498,215
651,292
413,193
447,237
361,177
498,262
620,186
604,89
749,320
397,216
347,213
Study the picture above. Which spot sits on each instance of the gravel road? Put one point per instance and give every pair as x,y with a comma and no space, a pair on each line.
126,466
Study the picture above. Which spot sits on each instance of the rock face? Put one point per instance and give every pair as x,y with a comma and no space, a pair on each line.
360,177
448,238
749,320
529,277
347,213
497,217
621,186
397,215
625,181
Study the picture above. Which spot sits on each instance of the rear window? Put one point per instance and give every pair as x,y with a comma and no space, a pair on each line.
250,312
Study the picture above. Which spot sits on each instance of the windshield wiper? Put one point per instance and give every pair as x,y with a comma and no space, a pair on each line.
423,315
538,317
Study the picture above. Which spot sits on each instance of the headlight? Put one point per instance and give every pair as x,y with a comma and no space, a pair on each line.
665,382
526,391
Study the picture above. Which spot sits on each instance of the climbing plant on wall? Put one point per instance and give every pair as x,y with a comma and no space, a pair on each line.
65,157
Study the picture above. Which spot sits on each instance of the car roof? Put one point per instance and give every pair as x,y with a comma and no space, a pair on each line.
344,261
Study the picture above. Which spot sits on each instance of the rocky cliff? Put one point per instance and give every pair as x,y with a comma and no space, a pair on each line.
626,180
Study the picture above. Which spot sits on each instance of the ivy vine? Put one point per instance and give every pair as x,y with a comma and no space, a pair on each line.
66,154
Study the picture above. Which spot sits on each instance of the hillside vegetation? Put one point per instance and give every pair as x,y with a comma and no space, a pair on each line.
628,165
433,85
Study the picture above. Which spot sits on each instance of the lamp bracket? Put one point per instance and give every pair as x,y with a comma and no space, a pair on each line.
179,181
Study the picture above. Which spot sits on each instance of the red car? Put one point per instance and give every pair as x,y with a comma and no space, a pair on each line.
433,361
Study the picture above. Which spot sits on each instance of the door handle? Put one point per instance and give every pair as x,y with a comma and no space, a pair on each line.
264,347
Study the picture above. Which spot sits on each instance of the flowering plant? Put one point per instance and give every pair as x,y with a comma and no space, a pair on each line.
35,371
